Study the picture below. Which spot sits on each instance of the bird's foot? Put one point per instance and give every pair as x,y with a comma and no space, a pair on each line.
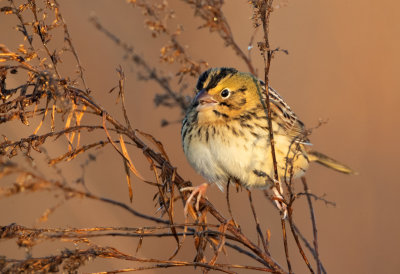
200,191
279,201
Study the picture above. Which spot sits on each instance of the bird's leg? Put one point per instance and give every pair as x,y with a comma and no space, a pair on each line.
278,199
200,191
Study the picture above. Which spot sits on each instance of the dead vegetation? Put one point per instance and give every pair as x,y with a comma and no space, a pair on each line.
61,102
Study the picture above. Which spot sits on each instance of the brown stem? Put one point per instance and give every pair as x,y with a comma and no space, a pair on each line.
264,243
298,242
267,53
179,181
314,224
285,244
308,245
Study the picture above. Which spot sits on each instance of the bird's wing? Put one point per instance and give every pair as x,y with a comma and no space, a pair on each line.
291,123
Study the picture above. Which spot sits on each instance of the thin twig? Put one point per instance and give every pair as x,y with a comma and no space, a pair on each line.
285,244
228,201
211,12
68,39
317,198
308,245
314,224
265,10
296,238
47,86
258,228
138,59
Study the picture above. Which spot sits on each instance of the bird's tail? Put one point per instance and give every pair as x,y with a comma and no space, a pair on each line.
315,156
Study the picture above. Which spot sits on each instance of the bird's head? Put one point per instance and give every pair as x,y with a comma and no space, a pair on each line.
225,93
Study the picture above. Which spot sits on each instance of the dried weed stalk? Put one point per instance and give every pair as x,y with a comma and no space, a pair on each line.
64,100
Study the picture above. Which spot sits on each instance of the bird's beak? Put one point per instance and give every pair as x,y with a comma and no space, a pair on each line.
204,100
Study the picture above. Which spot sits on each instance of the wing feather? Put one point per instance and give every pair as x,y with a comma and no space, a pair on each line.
292,124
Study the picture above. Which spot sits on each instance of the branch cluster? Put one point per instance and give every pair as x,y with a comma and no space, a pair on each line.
65,100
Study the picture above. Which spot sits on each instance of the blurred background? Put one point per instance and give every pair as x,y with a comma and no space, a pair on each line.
342,67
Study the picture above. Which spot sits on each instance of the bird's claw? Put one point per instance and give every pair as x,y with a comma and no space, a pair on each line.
200,191
279,201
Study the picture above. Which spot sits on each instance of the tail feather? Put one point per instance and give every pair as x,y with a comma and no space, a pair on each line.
315,156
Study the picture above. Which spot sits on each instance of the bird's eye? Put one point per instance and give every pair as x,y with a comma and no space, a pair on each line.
225,93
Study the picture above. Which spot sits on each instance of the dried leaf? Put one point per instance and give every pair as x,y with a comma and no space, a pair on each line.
268,236
128,159
70,136
53,111
140,242
128,180
222,229
44,117
72,154
78,118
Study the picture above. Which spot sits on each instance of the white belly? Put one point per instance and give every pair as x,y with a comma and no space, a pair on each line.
246,158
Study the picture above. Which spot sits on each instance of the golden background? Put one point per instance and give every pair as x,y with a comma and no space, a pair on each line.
343,65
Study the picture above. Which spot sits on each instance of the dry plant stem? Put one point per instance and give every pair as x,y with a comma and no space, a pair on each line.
169,211
228,201
267,53
27,141
296,238
308,245
265,12
158,266
23,28
292,199
233,246
221,244
121,94
15,114
178,180
139,60
107,252
314,224
74,192
298,232
161,266
80,97
258,228
211,12
285,244
165,174
236,232
243,239
157,17
43,37
317,198
113,202
68,39
38,234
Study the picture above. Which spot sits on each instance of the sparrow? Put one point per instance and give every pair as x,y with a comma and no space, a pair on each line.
225,135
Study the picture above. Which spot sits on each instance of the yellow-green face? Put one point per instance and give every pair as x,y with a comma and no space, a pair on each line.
225,93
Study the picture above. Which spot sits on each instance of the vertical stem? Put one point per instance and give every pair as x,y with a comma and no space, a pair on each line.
258,227
296,238
283,224
308,245
265,12
314,224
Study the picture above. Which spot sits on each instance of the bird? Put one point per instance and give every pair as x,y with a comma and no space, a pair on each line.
225,136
